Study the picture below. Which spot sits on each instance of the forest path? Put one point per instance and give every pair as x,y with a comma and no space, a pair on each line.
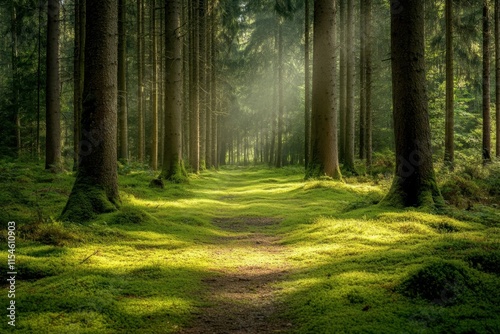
242,295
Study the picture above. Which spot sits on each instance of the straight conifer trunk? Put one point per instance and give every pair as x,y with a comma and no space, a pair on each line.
449,149
194,96
368,85
350,114
53,109
96,185
342,80
173,169
414,183
122,83
324,152
307,97
78,64
486,85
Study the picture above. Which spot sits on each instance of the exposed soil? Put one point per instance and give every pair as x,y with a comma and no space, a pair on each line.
242,297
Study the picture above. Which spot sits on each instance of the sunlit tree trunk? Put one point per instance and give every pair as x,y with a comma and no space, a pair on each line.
140,82
449,118
96,185
53,89
362,79
194,97
342,79
154,88
213,87
368,85
414,183
350,114
173,168
202,80
307,98
324,152
281,101
122,83
486,85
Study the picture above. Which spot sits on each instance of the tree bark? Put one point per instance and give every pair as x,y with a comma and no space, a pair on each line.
213,87
449,149
203,80
362,79
122,83
350,114
173,167
78,68
96,186
140,82
324,153
307,88
342,80
414,183
281,101
53,90
194,96
368,86
154,88
486,85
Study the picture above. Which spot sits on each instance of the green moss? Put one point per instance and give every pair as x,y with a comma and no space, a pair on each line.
176,174
86,201
440,282
130,215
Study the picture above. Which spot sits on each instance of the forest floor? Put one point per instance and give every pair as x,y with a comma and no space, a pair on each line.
248,250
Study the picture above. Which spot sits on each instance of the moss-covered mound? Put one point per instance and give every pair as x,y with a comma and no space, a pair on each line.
488,262
441,282
129,215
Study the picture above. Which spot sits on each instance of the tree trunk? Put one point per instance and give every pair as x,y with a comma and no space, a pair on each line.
202,81
96,187
122,83
350,114
414,183
53,109
213,87
342,80
281,101
486,85
140,82
362,79
173,167
39,85
497,77
154,88
368,85
307,98
449,149
78,67
194,97
324,152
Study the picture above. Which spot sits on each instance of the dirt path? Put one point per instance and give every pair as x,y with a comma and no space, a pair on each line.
241,297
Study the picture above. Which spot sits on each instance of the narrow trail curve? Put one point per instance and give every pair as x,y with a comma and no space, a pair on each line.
241,296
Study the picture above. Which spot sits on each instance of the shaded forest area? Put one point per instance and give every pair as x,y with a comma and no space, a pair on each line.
261,166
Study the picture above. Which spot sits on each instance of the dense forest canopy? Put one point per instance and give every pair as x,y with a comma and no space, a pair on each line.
250,72
257,166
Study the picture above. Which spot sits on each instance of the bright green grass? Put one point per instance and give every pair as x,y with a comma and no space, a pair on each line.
140,270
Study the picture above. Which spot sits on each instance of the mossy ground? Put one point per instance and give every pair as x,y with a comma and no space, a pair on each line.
142,269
